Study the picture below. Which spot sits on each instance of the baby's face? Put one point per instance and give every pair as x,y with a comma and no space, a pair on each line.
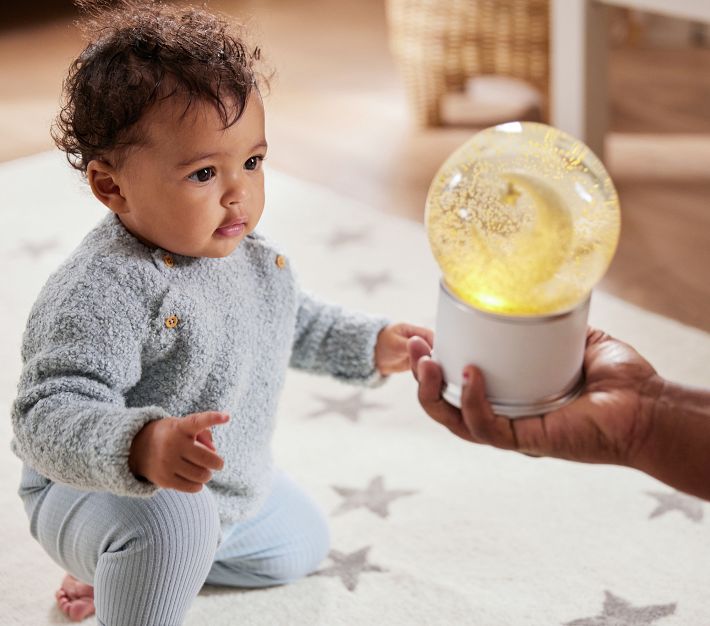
195,188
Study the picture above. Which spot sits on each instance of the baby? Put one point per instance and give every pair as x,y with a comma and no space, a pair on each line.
154,356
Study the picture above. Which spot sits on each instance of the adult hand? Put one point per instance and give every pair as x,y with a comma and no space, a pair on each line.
608,423
177,453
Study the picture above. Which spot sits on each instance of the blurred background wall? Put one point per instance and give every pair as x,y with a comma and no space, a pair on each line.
338,115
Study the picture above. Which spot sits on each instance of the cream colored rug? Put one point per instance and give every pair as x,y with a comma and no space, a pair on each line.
427,529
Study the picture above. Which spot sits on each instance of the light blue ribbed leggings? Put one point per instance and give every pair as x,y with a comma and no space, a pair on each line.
147,558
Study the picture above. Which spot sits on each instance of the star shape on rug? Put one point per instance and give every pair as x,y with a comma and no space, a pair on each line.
38,248
349,407
339,237
618,612
374,497
371,282
348,567
690,506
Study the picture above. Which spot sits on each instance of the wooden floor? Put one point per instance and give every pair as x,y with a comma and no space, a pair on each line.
337,116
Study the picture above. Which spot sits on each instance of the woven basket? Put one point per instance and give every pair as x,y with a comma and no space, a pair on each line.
440,44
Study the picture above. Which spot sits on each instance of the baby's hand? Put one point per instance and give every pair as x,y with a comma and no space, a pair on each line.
177,453
391,353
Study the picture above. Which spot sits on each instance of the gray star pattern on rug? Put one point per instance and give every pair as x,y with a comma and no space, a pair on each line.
349,407
339,237
690,506
618,612
374,497
371,282
38,248
348,567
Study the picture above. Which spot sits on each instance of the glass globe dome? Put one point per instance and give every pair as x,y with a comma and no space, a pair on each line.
522,219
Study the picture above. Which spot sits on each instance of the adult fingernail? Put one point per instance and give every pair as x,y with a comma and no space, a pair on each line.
466,377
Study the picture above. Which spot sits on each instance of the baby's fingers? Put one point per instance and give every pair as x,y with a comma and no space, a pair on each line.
205,438
410,330
182,484
193,473
203,457
197,422
427,334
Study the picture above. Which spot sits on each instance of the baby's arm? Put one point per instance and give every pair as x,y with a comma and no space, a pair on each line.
354,347
82,354
330,340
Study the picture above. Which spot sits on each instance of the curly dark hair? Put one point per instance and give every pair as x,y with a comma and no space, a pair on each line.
141,53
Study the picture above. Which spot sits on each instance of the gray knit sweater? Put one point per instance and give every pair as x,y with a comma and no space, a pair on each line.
123,334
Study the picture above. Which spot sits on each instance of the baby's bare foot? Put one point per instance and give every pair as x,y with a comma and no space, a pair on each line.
75,599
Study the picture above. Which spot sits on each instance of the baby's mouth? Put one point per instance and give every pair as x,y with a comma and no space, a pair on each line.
232,229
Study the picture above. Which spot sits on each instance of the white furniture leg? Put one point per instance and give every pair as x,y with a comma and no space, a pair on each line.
579,56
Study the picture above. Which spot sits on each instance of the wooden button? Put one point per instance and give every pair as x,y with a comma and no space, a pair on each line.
168,260
280,261
172,321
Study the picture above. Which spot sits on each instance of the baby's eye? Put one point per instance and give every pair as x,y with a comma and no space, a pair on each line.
252,163
202,175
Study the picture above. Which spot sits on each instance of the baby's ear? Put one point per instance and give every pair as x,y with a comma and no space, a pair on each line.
104,184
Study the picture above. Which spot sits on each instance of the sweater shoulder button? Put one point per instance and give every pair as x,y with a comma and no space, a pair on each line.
171,321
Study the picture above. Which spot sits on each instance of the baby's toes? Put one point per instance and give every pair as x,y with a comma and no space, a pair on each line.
64,604
80,609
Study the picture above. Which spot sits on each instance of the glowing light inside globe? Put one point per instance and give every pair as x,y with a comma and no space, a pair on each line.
523,219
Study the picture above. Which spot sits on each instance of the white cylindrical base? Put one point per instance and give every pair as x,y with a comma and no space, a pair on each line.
532,365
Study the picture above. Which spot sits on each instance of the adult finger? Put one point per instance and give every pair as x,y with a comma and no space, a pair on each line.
483,424
430,383
417,348
196,422
596,335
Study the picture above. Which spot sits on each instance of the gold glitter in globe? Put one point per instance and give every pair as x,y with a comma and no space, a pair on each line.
523,219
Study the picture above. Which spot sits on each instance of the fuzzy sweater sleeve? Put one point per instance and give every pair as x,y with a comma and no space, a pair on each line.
81,354
331,340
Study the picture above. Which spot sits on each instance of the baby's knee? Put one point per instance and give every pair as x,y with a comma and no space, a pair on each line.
167,530
174,522
177,517
157,565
